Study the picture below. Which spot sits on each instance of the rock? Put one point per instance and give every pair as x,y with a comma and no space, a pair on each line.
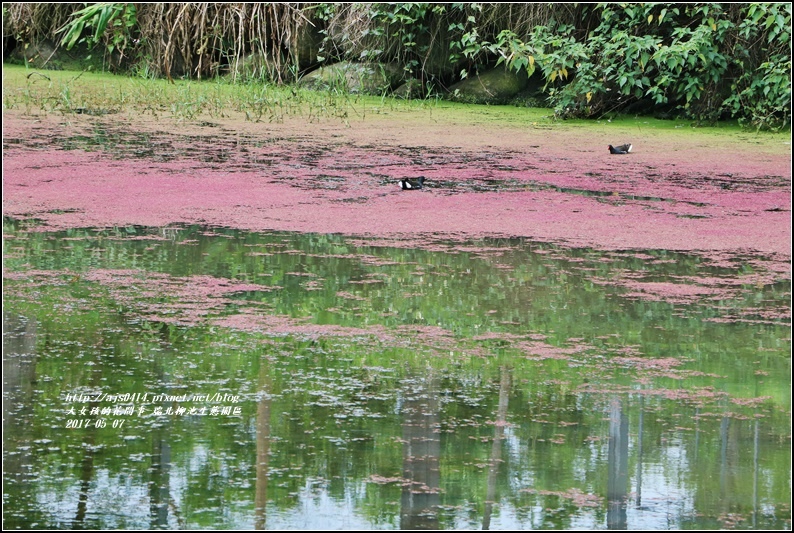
497,86
48,55
410,89
358,78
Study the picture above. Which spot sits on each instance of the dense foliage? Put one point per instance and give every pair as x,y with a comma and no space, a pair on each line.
703,61
709,61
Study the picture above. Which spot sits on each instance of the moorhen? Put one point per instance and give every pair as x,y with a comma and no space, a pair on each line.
622,149
410,185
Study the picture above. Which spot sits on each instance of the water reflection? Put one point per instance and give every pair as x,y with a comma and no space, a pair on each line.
421,428
20,335
262,447
618,466
446,394
496,447
159,481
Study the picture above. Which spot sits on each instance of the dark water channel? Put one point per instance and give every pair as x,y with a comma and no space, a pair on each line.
209,378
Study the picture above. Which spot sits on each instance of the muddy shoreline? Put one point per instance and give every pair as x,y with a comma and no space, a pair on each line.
698,191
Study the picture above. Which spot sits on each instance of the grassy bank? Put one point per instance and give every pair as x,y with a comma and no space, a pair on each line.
71,93
68,92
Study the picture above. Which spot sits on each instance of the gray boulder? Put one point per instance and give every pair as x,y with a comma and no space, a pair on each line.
357,78
497,86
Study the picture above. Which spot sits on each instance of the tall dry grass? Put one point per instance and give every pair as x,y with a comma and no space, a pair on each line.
201,39
273,40
197,40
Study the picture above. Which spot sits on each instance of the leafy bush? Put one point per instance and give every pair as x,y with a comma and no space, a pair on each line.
112,24
761,95
704,61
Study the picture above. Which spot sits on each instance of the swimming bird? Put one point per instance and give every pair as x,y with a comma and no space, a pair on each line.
409,185
622,149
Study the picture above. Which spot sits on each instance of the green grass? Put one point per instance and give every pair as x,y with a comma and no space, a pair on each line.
63,92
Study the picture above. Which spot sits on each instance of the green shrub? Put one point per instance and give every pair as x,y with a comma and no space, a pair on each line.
703,61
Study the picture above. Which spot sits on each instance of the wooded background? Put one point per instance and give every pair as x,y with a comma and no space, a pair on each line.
702,61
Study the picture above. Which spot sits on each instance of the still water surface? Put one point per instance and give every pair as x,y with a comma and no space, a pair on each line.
191,377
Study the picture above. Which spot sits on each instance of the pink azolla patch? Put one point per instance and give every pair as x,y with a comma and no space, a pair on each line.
646,363
699,396
701,289
381,480
668,195
574,495
537,350
160,297
281,325
674,292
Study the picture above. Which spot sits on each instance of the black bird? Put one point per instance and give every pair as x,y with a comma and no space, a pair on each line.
622,149
409,185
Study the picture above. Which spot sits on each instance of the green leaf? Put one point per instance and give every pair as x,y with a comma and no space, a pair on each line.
74,34
104,16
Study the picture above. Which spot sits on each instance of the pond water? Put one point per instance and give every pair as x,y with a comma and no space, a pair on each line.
196,377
